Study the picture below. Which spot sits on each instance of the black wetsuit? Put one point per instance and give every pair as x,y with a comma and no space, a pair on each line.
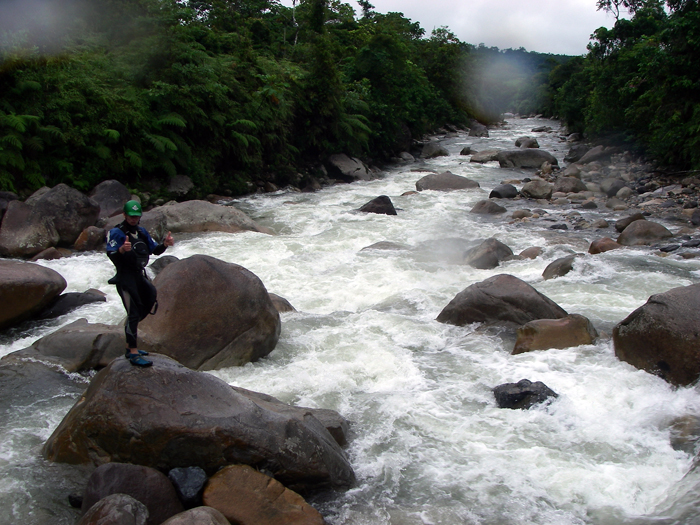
133,285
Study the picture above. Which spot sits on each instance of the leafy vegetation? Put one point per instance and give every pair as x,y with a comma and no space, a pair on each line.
639,82
234,92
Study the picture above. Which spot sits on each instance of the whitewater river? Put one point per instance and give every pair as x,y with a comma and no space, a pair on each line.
429,444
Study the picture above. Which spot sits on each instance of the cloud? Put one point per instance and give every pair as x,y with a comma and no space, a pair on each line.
546,26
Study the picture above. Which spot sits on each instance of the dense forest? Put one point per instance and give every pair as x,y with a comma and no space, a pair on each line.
236,93
639,84
233,92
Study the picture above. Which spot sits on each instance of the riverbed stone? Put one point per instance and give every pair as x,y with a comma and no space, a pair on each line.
526,142
110,195
91,238
381,205
504,191
569,185
499,299
78,346
482,157
146,485
24,233
25,290
445,181
347,169
523,395
621,224
199,216
116,509
487,207
477,129
662,336
189,484
525,158
487,255
545,334
559,267
67,302
198,516
434,149
603,245
211,314
537,189
531,253
643,233
248,497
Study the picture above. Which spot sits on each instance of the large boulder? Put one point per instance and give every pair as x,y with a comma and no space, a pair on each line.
445,181
347,169
78,346
110,195
621,224
25,290
5,198
482,157
248,497
643,233
23,233
597,153
525,158
501,298
69,211
543,334
211,314
663,336
146,485
488,254
201,216
168,416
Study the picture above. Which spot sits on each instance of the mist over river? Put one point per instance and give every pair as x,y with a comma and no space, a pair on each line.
429,444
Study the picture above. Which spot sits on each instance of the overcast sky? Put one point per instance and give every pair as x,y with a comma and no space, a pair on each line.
546,26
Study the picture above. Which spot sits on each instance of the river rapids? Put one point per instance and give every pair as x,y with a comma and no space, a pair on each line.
429,444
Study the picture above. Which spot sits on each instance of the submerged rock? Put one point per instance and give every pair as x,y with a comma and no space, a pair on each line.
543,334
522,395
488,254
381,205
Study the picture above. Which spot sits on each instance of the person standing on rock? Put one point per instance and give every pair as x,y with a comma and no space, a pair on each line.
129,247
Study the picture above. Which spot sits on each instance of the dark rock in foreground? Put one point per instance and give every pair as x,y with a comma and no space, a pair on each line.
212,314
169,416
663,336
522,395
146,485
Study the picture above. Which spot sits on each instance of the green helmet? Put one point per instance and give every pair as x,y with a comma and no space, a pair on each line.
133,209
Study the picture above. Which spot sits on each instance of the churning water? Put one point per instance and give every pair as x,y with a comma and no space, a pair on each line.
429,445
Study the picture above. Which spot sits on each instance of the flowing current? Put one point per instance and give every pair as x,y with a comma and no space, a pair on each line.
429,444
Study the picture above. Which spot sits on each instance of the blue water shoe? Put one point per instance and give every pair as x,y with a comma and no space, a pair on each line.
127,354
137,360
